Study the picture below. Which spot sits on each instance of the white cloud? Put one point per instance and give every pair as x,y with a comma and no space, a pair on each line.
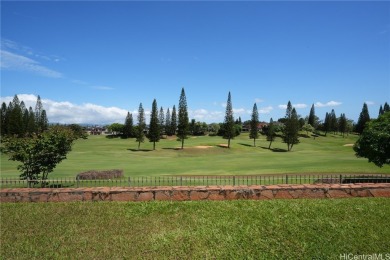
206,116
297,106
259,100
265,110
17,62
67,112
327,104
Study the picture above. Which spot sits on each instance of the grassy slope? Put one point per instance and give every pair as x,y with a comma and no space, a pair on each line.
277,229
323,155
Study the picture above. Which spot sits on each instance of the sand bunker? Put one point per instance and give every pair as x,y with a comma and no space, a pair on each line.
348,144
203,146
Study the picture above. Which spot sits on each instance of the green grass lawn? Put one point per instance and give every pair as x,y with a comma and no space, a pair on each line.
322,155
277,229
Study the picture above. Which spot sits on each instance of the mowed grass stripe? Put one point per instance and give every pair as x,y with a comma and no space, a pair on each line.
277,229
322,155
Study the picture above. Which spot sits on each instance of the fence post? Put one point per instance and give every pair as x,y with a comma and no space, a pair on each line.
234,180
181,180
341,179
28,182
286,179
129,182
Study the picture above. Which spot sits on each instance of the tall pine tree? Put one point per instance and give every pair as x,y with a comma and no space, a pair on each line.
128,128
228,125
15,123
3,119
140,131
364,117
154,126
168,122
342,124
271,133
333,121
254,132
291,127
173,121
38,115
312,117
161,121
183,120
386,107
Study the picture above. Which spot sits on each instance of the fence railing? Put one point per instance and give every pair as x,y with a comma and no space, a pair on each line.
233,180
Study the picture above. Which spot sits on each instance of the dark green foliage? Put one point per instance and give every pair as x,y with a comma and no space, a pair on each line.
333,121
307,128
271,132
386,107
154,126
31,126
312,117
78,131
168,123
374,142
381,111
364,117
183,124
116,128
128,129
228,125
140,129
3,119
291,127
173,121
40,153
15,123
342,122
254,132
161,121
327,123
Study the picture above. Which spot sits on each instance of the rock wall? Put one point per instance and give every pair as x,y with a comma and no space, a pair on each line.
284,191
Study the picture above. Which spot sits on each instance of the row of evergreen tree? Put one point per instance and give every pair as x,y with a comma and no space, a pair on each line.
18,120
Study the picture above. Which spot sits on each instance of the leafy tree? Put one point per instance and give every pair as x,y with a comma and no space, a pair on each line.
374,142
116,128
128,128
78,131
254,132
229,131
312,117
364,117
41,153
173,121
192,126
168,122
154,126
139,133
307,128
183,124
271,133
291,127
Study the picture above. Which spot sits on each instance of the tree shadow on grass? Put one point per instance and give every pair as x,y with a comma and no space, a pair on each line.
247,145
275,150
140,150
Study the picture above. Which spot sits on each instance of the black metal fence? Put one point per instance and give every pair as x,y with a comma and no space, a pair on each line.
155,181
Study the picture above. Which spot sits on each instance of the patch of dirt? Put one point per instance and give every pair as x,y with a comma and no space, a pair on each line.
203,146
348,144
223,145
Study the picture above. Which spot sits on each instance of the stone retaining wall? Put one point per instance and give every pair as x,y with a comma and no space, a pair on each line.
285,191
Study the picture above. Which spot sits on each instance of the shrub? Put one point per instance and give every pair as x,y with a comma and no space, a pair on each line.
95,175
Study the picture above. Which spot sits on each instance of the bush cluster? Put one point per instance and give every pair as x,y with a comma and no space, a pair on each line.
96,175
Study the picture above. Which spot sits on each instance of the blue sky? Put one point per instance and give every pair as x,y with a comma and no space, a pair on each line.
91,62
